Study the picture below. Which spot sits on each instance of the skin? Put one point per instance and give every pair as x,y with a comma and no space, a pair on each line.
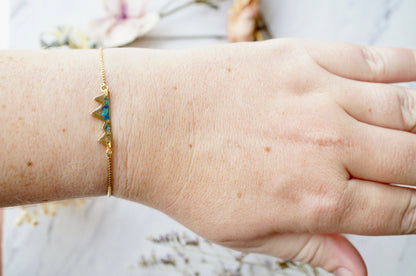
273,147
1,241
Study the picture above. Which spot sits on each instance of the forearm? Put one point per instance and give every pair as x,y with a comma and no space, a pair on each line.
48,139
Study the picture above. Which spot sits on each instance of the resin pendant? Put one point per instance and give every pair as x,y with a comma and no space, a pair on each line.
103,113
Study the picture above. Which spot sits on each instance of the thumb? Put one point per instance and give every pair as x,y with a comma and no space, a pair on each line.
332,252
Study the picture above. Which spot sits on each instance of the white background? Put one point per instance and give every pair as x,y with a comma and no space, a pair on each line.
4,24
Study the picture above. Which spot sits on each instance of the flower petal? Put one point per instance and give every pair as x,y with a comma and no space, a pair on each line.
114,7
125,31
99,28
136,8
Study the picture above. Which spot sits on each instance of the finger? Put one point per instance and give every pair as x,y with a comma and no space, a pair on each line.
381,155
364,63
332,252
370,208
379,104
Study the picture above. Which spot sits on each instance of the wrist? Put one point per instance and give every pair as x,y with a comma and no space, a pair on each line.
47,134
130,81
145,115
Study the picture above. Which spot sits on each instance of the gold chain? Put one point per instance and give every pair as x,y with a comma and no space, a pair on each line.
107,126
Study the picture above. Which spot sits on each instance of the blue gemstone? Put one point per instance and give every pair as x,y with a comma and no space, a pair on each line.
107,127
105,111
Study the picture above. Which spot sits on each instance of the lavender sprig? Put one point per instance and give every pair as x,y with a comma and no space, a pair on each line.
192,255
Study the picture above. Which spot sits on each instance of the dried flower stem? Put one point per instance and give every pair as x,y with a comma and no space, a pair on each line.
181,37
192,254
262,29
180,7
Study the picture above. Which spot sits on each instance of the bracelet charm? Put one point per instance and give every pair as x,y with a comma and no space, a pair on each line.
103,113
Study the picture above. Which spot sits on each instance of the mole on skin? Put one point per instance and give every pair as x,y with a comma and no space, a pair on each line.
369,110
267,149
63,130
190,145
29,163
3,106
239,194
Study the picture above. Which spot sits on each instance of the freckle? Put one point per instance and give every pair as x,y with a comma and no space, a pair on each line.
175,88
63,130
369,110
20,118
21,175
190,145
3,106
229,69
29,163
33,109
267,149
239,194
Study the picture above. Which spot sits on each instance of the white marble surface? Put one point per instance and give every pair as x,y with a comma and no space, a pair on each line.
107,235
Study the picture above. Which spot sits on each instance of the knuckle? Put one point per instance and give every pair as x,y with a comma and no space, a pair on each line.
375,61
293,47
288,42
408,218
404,159
407,106
330,210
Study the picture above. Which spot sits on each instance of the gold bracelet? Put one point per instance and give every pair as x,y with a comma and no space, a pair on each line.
103,113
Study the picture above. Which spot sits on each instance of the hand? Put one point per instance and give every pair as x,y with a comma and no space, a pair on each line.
276,147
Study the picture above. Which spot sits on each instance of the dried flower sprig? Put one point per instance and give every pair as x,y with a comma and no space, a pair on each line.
246,23
210,3
66,36
192,255
30,213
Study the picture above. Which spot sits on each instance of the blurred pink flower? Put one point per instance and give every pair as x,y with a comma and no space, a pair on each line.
125,21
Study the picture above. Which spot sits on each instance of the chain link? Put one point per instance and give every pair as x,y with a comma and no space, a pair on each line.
109,151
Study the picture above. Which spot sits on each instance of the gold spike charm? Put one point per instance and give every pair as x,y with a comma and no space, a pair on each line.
103,113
